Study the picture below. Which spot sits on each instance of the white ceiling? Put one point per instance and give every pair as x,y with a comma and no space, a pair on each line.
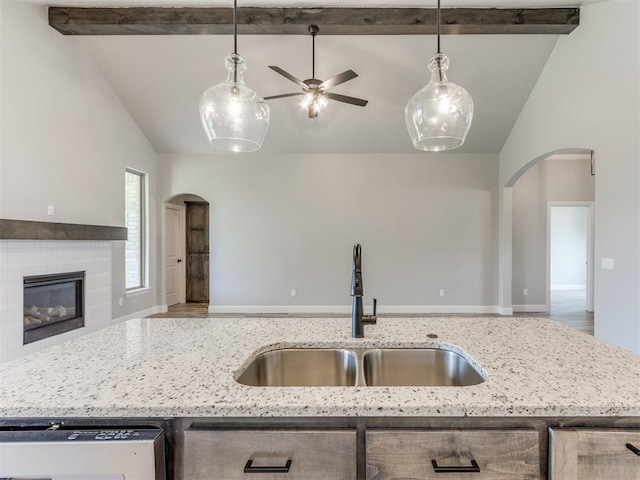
160,80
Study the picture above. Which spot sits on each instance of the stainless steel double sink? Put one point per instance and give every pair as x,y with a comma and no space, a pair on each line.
350,367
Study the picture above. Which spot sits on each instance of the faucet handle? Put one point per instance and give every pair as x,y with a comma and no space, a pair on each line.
370,319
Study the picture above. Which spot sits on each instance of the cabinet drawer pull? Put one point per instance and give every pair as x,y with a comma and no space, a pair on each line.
249,468
473,468
633,449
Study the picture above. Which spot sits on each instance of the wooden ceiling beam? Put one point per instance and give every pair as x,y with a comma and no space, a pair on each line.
294,21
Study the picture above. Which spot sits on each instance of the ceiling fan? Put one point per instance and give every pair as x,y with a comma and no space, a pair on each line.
316,91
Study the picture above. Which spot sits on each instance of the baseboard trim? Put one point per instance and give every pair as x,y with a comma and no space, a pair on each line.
504,310
140,314
530,308
334,309
284,309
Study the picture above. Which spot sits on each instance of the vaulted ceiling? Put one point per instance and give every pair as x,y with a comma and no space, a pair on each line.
160,78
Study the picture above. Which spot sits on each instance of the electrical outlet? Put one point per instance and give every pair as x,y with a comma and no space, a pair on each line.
442,292
50,210
525,292
293,292
120,301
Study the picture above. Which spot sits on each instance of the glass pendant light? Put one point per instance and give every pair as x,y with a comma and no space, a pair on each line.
439,116
234,117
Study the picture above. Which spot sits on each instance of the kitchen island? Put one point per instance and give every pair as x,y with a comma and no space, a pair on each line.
186,368
538,375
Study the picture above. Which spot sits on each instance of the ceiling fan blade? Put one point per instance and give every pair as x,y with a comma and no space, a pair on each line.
343,98
338,79
295,80
283,95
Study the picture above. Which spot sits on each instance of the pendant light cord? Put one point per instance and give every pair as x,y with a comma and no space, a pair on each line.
313,55
439,52
235,41
438,22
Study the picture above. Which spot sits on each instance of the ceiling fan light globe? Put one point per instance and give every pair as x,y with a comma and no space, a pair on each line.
235,118
307,100
322,101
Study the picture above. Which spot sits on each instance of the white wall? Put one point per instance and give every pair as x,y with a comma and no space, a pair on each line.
1,108
426,222
549,180
569,237
587,97
66,139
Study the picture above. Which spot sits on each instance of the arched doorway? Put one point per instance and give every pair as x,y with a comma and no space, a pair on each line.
186,272
559,180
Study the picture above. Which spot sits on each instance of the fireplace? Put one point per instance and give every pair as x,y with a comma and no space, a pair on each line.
53,304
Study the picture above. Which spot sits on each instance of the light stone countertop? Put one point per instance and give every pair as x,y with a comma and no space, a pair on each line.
185,368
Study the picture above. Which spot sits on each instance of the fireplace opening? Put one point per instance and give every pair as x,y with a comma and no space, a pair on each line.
53,304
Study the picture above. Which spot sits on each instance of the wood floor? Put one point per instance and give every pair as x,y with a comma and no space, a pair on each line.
567,307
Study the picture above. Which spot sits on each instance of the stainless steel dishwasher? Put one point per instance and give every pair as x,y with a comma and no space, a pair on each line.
83,454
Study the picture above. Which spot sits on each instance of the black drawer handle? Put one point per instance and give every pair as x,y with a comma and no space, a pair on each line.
249,468
473,468
633,449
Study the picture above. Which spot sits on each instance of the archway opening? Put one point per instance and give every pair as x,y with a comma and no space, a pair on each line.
187,264
551,182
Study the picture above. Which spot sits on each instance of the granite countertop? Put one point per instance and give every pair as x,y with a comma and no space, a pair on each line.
185,368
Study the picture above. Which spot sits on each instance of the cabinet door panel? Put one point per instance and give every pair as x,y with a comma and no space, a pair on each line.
273,455
498,454
590,454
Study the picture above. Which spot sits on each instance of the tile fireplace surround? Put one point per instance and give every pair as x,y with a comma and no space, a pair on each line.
21,257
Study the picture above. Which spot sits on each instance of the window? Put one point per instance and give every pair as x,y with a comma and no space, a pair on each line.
135,220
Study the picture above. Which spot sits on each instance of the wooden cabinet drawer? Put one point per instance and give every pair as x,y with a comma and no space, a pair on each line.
475,454
269,454
586,454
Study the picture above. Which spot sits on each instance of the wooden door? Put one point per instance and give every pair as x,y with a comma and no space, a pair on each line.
197,252
594,454
174,275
